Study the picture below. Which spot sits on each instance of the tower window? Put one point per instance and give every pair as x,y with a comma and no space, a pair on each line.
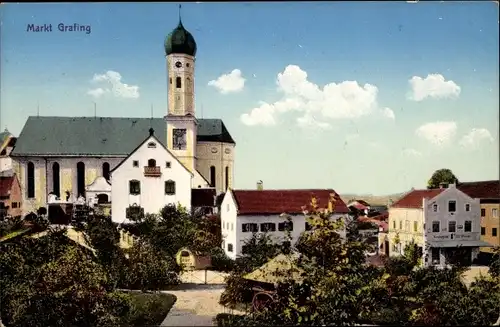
179,139
178,82
187,64
227,177
170,80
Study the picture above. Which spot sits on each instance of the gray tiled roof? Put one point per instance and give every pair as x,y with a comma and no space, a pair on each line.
100,136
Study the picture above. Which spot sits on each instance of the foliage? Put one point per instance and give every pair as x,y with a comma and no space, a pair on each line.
441,176
149,271
149,309
495,263
48,281
227,319
9,225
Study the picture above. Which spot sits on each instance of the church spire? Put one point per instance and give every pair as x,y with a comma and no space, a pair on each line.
180,20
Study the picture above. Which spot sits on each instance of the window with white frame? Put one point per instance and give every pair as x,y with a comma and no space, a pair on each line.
494,212
435,226
435,207
467,207
452,226
468,226
452,206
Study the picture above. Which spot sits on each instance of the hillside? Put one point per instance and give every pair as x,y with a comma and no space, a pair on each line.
372,199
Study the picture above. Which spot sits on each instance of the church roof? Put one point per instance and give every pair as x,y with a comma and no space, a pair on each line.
100,136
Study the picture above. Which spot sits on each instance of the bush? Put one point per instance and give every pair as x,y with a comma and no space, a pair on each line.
226,319
149,309
220,261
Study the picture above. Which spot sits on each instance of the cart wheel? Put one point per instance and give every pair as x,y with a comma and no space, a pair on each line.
261,300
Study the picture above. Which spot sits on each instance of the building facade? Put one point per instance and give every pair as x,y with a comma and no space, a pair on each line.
150,178
10,196
7,143
452,221
245,212
406,221
64,155
488,193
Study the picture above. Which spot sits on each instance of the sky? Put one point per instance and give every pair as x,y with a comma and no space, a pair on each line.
361,97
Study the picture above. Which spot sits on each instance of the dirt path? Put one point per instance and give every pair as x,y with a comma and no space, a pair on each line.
196,305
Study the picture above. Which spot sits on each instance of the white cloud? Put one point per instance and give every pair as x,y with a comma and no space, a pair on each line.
411,153
309,121
388,113
475,137
433,86
114,86
96,93
228,83
438,133
347,99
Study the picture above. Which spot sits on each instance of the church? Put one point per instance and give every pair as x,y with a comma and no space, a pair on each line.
65,159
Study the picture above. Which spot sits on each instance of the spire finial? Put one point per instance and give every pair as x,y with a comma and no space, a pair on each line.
151,131
180,21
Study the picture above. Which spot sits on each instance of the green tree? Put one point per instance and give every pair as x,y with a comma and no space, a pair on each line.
49,281
147,270
441,176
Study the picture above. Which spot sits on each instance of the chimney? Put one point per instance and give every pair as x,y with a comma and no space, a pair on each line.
260,185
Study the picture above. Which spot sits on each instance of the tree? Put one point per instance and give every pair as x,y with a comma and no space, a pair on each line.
444,175
148,270
50,281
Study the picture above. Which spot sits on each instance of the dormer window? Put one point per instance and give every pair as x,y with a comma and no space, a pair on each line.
151,145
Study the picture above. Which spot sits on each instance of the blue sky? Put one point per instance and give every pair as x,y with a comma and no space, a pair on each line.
365,97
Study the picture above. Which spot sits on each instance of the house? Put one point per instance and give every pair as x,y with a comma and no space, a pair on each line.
7,143
406,221
244,212
488,193
63,155
147,180
10,196
451,221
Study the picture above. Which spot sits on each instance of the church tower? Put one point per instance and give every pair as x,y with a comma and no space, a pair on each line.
180,51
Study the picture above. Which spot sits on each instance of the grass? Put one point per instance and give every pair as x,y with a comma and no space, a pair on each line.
149,309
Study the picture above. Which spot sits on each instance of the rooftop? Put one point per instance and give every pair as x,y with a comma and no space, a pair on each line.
413,199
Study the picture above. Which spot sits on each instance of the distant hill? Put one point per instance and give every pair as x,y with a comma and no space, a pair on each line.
380,200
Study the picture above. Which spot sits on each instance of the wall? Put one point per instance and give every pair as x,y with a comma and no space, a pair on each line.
67,180
489,222
16,196
220,155
152,197
407,232
230,235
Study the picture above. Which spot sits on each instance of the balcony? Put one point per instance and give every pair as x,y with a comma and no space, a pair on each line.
153,171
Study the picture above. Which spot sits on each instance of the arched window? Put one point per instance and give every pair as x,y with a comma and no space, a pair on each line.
105,170
30,180
102,198
170,187
227,177
178,82
212,176
151,163
80,178
56,185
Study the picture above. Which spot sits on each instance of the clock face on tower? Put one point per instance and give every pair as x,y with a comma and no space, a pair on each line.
178,64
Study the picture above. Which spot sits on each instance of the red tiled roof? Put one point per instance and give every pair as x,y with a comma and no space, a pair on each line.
413,199
382,217
203,197
6,185
274,202
363,202
481,190
359,206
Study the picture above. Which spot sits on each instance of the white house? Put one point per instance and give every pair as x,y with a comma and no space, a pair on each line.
246,211
452,219
148,179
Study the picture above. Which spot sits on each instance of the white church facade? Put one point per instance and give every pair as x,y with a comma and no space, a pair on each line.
61,159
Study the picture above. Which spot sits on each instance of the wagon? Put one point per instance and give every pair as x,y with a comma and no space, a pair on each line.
265,279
